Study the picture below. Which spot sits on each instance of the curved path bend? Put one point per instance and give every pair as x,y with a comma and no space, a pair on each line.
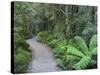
43,59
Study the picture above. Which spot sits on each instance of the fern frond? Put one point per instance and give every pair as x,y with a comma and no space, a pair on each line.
73,57
61,63
74,51
94,51
81,44
93,42
72,42
83,63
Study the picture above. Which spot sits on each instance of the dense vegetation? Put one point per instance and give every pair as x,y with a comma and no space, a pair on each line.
70,30
22,54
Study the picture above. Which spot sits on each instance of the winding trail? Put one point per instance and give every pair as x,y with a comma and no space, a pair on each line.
42,59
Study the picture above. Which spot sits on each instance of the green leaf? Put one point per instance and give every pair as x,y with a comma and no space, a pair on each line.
93,42
83,63
74,51
81,44
94,51
72,57
61,63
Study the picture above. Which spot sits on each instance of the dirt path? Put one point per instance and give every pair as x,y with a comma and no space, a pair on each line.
43,59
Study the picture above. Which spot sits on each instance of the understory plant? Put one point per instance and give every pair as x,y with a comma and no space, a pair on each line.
42,36
73,53
79,55
22,54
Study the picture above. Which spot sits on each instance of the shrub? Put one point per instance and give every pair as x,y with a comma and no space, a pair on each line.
22,54
20,42
21,59
26,35
51,37
42,36
53,43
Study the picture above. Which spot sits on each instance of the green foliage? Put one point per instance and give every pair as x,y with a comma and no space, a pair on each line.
61,63
52,40
79,22
21,57
60,48
73,55
26,35
56,25
23,19
19,41
86,58
93,42
94,51
83,63
22,54
59,51
51,37
81,44
42,36
74,51
52,43
22,33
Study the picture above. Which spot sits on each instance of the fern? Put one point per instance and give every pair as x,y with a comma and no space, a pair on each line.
86,54
74,51
76,54
61,63
81,44
83,63
93,42
94,51
72,57
72,42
